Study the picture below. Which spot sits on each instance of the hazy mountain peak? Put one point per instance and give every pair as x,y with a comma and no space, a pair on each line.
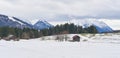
42,24
100,25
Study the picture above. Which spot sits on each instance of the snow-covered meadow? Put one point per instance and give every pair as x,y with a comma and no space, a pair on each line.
97,46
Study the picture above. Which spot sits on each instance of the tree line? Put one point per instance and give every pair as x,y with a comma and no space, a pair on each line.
27,33
24,33
68,29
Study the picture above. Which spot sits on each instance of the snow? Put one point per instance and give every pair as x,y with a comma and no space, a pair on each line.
100,25
107,38
82,22
113,23
88,22
53,49
11,18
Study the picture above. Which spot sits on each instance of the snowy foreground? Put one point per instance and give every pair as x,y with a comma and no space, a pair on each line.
52,49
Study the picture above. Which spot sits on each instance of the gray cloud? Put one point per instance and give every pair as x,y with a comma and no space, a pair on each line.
53,9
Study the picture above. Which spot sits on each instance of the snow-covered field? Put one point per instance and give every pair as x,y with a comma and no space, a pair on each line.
35,48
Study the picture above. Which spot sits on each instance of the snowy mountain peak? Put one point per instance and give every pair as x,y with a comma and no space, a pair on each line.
100,26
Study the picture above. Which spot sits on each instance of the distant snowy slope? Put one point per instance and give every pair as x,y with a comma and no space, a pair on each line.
11,18
28,25
113,23
13,22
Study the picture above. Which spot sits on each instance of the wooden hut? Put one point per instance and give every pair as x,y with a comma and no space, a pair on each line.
76,38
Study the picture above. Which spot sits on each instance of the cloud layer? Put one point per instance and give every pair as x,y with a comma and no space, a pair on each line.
63,10
36,9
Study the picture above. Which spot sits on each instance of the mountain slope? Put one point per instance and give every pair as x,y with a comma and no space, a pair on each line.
13,22
42,25
100,26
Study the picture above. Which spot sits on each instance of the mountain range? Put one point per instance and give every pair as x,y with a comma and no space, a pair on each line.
41,24
9,21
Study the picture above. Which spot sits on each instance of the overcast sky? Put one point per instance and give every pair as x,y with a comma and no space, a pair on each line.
37,9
